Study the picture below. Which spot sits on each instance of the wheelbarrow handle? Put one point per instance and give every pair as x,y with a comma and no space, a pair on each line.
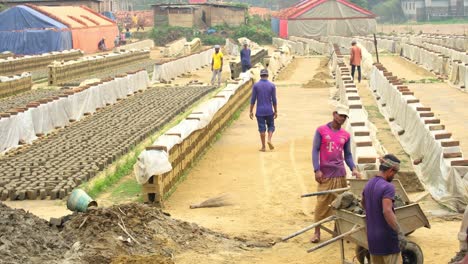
325,192
353,230
305,229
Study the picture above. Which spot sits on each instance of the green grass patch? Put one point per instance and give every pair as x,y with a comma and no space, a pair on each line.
103,183
128,189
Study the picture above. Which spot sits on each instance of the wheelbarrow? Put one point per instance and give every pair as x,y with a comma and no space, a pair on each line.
350,226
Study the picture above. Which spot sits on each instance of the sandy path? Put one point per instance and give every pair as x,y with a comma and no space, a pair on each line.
265,186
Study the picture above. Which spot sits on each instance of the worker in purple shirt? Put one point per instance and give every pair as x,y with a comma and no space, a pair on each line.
330,142
264,93
384,236
245,57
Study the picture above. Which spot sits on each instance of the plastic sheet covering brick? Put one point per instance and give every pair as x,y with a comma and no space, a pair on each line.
58,113
26,31
167,71
156,162
447,184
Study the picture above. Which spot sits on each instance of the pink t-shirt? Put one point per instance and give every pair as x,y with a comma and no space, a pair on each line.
332,146
356,55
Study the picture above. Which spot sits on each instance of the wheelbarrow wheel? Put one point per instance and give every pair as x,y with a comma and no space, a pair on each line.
412,254
362,255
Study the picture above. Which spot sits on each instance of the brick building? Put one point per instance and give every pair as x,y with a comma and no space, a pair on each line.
423,10
198,15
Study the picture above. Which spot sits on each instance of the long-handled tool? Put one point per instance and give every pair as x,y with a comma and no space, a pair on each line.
305,229
325,192
353,230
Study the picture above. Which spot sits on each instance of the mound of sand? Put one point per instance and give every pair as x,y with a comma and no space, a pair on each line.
315,84
322,76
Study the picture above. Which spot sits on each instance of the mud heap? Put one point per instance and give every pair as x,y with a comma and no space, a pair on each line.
25,238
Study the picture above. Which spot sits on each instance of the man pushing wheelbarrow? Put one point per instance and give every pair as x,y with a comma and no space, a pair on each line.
380,233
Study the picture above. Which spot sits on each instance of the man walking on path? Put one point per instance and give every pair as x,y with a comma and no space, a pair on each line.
355,60
384,236
264,92
216,65
245,57
330,142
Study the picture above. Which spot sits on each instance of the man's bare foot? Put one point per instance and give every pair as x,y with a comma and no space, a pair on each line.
315,239
270,145
262,149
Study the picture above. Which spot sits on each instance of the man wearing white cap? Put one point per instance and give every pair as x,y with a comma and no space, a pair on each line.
216,65
330,143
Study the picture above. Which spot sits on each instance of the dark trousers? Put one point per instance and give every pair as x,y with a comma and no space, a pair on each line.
353,68
245,67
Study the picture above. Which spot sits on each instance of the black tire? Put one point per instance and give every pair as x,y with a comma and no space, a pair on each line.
412,254
362,255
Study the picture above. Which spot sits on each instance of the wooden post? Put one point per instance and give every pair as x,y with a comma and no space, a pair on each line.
376,51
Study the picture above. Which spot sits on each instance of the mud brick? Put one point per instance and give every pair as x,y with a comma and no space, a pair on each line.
378,98
54,194
31,194
384,104
163,148
443,135
436,127
452,155
407,93
424,109
430,114
450,143
412,101
459,162
351,91
355,107
20,195
361,133
4,195
364,160
391,119
43,194
364,144
432,121
62,193
356,124
351,98
387,74
55,221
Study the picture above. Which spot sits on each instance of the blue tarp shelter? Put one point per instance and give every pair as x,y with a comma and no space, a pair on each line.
24,30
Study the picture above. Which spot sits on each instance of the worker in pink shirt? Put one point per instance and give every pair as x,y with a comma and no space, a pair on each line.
355,60
331,143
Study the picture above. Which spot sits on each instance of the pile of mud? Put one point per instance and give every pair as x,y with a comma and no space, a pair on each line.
129,233
25,238
322,76
315,84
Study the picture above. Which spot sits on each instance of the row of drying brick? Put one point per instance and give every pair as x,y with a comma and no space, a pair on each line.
54,165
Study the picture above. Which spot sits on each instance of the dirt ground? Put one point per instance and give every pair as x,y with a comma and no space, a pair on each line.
458,29
266,186
265,190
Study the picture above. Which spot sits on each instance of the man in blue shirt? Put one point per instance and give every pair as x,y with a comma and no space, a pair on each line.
245,57
384,236
264,92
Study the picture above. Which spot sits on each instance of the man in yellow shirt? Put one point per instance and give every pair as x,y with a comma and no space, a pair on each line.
217,65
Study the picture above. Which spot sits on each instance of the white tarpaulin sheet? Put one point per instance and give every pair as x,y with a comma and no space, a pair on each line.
430,60
46,117
447,184
295,47
167,71
314,46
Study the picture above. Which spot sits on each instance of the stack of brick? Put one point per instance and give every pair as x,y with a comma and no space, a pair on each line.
15,84
14,65
362,145
62,72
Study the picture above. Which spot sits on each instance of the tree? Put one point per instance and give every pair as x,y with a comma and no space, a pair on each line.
361,3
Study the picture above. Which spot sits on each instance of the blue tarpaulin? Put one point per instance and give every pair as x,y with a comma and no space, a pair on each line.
275,24
25,31
109,15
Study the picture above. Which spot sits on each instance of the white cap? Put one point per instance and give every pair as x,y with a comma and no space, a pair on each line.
217,46
342,110
353,41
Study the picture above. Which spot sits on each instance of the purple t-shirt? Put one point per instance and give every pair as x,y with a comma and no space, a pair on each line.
327,151
382,239
264,92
